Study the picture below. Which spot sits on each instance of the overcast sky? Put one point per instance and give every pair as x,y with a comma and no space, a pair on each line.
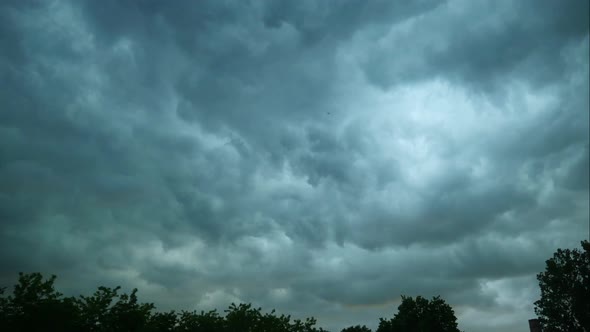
317,157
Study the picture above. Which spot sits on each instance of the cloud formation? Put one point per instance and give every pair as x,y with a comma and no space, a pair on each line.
320,158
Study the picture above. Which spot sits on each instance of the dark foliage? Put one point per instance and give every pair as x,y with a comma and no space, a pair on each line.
35,305
421,315
565,291
357,328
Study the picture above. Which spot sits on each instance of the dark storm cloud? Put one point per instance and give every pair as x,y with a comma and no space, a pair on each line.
484,44
318,157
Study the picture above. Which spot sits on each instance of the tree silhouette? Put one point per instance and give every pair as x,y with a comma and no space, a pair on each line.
565,291
356,328
36,306
421,315
205,321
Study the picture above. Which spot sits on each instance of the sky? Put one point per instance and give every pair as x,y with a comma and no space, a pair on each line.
321,158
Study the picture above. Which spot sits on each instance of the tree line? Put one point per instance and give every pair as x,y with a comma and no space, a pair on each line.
35,305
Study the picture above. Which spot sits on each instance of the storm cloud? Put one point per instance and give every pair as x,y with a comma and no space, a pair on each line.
317,157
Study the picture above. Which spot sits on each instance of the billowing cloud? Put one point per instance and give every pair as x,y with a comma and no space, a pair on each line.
320,158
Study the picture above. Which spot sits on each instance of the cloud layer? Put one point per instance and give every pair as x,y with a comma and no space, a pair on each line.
317,157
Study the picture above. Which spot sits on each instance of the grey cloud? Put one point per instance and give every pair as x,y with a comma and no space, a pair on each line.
461,40
318,157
